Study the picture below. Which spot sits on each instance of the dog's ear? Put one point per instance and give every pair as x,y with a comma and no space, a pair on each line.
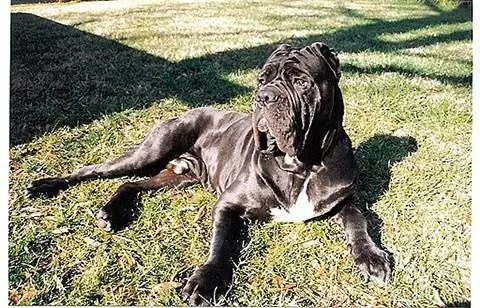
281,51
329,55
283,47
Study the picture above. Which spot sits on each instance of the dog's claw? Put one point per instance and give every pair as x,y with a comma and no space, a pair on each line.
102,221
118,212
374,264
207,283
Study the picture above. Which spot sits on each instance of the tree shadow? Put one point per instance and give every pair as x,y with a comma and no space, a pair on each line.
62,76
375,158
408,72
367,37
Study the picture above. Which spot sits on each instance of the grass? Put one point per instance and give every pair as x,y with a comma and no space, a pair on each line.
88,79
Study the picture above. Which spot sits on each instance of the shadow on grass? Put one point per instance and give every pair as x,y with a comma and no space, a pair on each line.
61,76
459,304
378,69
375,158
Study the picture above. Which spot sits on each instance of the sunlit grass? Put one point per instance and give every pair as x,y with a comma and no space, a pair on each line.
89,79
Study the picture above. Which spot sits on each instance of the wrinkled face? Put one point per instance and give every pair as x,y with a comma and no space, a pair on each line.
295,94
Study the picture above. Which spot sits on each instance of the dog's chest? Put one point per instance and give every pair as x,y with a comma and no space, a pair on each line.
302,209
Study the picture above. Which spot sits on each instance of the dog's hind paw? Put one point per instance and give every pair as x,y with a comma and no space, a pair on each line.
374,264
118,212
49,187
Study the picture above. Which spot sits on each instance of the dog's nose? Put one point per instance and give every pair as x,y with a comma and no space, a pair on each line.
266,96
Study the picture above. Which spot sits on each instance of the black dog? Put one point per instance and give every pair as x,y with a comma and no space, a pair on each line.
289,161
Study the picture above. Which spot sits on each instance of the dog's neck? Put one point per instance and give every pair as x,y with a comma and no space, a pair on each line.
319,145
312,158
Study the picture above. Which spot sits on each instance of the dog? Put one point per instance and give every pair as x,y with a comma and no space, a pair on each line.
291,160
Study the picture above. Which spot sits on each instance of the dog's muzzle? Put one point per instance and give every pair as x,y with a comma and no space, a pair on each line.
266,96
266,135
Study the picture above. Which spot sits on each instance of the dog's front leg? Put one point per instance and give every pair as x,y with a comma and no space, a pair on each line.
373,262
210,281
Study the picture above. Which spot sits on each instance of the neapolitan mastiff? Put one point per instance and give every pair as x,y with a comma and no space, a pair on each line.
289,161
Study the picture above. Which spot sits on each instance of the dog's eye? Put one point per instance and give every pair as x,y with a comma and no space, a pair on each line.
302,83
262,80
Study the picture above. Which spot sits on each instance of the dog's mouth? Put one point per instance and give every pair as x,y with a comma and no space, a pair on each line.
268,142
268,145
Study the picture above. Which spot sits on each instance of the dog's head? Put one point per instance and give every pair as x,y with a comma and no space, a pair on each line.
298,104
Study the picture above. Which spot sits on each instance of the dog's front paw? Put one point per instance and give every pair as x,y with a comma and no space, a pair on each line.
206,285
118,212
374,264
49,187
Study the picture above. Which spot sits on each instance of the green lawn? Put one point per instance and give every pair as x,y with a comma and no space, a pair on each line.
90,78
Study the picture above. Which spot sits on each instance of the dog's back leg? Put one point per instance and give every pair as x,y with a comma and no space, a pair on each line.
122,207
166,141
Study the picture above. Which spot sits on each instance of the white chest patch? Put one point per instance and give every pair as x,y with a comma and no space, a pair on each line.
301,210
